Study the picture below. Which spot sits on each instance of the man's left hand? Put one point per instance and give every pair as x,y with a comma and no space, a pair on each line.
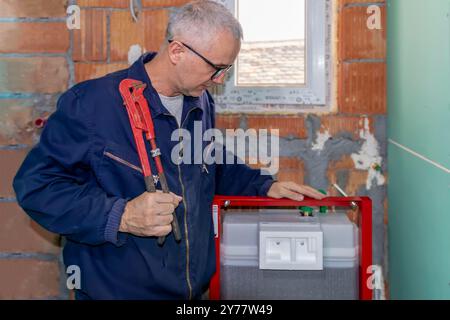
294,191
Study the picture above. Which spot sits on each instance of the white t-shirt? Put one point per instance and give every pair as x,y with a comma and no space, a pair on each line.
174,105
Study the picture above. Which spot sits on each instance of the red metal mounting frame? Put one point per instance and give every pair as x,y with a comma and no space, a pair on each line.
364,221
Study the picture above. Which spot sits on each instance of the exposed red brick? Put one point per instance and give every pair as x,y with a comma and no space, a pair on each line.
356,178
291,169
126,3
89,42
104,3
33,8
293,126
86,71
290,163
27,37
10,161
362,88
28,279
228,121
19,233
387,289
356,40
28,74
344,2
164,3
296,176
352,215
148,32
336,124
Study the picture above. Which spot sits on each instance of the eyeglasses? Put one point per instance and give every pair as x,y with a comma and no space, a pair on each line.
219,70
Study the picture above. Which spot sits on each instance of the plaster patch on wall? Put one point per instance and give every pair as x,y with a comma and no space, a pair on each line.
321,138
134,53
368,156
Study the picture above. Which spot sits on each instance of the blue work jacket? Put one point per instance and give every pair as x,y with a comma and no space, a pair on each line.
76,181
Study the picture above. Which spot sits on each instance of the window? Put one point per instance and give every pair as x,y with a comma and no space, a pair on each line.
284,59
273,50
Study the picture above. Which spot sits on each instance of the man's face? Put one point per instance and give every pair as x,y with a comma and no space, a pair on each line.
194,73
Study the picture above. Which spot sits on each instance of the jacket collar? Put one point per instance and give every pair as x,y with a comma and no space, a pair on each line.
137,71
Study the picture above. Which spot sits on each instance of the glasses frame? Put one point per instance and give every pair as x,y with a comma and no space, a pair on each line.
219,70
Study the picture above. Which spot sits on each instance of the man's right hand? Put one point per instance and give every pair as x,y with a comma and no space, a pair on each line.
149,214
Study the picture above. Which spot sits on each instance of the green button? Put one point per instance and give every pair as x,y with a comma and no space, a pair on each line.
307,211
323,209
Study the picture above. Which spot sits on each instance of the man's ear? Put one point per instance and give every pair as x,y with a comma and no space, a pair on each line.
175,51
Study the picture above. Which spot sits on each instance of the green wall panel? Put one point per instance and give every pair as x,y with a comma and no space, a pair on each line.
419,228
419,119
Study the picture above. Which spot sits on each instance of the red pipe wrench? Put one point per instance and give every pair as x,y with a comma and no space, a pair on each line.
132,92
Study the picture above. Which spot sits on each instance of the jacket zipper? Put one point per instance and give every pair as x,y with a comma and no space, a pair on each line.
122,161
114,157
185,213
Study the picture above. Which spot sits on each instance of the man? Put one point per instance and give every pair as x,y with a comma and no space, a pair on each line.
83,179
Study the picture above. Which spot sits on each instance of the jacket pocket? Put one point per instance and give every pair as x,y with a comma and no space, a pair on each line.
119,171
122,161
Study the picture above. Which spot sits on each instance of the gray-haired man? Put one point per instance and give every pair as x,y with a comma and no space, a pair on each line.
83,179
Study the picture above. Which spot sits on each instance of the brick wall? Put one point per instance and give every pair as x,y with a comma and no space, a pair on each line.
108,31
34,46
40,58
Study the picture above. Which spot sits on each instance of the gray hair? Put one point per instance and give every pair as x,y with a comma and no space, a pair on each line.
202,20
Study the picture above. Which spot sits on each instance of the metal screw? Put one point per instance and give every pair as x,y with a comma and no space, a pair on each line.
353,204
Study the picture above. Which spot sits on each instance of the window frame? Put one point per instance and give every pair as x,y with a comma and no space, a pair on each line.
316,91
